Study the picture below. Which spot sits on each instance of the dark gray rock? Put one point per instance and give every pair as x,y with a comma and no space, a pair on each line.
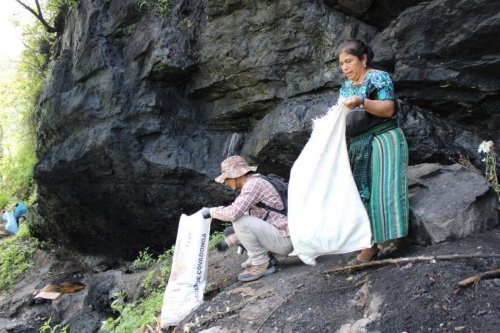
445,59
141,109
82,311
431,137
378,13
122,153
449,202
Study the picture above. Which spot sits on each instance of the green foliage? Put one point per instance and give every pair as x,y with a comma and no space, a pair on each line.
215,238
46,328
18,94
15,255
156,279
17,139
54,6
19,91
132,316
144,260
161,8
164,263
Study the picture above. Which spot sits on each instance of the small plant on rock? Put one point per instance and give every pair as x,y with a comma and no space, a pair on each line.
144,260
47,328
215,238
16,252
161,8
487,149
133,316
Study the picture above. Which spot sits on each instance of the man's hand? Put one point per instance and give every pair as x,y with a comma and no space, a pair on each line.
205,212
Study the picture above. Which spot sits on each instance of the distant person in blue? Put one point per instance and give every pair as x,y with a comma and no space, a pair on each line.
11,218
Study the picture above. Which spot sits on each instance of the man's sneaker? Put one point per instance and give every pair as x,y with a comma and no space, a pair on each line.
272,261
255,272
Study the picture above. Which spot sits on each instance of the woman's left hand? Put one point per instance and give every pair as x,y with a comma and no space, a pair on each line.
352,102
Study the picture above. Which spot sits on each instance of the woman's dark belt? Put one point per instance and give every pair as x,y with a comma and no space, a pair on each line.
360,151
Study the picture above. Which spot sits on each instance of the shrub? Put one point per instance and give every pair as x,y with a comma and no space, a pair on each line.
47,328
132,316
15,255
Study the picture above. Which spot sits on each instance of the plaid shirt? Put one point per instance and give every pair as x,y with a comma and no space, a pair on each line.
254,191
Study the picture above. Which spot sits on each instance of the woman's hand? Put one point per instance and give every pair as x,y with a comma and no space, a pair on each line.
352,102
383,109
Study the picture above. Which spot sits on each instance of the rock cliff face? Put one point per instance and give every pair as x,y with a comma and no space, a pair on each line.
141,109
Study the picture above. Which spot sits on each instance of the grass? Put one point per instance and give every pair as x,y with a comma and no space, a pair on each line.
215,238
144,260
16,252
132,316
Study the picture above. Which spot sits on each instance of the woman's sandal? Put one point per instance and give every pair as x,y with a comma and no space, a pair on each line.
373,256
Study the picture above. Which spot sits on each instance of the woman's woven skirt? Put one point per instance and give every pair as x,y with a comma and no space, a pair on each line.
387,203
388,207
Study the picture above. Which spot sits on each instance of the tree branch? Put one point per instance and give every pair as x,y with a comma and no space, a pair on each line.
397,261
483,276
38,15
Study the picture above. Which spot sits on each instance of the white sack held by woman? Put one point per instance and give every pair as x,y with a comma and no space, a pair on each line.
325,212
188,277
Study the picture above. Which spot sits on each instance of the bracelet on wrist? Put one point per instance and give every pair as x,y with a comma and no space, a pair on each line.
362,104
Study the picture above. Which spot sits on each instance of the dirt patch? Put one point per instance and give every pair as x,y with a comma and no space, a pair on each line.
414,297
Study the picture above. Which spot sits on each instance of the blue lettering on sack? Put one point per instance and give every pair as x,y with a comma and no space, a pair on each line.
199,268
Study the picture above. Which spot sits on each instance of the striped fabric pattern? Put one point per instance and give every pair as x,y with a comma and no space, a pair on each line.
388,208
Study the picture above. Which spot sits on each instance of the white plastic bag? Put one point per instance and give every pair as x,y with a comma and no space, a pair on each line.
325,211
188,277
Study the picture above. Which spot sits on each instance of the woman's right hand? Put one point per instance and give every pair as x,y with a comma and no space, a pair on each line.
352,102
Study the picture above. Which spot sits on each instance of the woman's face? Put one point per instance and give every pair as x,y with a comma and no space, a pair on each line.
352,67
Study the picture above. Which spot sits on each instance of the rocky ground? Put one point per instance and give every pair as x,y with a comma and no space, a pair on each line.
409,297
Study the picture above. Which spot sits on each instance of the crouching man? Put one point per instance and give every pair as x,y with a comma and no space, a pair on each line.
258,229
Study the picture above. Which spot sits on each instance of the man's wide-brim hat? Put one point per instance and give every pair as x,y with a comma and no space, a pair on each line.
234,167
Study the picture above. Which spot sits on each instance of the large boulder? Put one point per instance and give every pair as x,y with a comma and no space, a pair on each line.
140,109
445,59
449,202
83,310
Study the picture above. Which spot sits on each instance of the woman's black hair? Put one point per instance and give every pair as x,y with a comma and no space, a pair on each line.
356,48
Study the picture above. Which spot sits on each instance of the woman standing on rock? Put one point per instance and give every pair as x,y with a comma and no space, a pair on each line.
378,152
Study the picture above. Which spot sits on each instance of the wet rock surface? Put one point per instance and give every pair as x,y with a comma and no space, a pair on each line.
141,109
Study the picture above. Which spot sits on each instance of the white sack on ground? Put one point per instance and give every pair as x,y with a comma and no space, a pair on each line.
325,211
188,277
